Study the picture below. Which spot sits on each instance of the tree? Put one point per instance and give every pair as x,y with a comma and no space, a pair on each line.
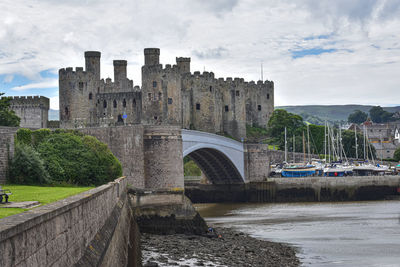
379,115
396,155
7,116
357,117
279,120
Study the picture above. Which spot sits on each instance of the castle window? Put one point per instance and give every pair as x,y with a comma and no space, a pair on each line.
115,103
154,84
237,93
66,111
80,85
198,106
124,103
169,101
104,104
226,108
134,103
90,96
159,96
98,89
267,96
155,117
259,107
120,118
210,88
149,96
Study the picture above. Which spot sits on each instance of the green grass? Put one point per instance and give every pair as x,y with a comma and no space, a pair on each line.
43,194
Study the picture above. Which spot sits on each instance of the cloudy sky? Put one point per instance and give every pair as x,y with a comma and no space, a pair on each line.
316,51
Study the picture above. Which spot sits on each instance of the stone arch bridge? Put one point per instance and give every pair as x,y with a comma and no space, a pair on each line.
221,159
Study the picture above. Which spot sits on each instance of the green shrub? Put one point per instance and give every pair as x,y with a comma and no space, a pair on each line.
39,135
191,169
78,159
396,155
27,167
24,136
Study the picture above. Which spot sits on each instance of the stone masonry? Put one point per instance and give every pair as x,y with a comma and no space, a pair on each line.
6,150
170,95
33,111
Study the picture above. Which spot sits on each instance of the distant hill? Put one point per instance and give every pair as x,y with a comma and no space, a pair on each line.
54,115
331,113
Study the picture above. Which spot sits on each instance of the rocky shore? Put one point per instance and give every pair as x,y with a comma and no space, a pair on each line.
224,247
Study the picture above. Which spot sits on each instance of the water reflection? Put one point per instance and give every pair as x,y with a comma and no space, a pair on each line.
325,234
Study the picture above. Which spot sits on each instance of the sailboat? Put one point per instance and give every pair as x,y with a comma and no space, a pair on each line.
298,170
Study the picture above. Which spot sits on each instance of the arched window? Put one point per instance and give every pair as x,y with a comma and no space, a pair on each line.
124,103
134,103
104,104
90,96
66,111
115,103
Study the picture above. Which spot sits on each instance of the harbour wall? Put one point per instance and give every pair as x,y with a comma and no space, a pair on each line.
308,189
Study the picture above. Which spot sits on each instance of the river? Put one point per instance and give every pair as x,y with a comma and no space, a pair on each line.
324,234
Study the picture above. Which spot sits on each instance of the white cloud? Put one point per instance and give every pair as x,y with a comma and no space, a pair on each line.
54,104
232,37
50,83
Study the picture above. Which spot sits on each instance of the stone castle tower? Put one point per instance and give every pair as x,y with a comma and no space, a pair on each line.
33,111
170,95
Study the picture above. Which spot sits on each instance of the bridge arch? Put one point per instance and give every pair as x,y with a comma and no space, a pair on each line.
221,159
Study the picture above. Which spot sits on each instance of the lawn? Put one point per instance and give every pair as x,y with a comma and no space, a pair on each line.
43,194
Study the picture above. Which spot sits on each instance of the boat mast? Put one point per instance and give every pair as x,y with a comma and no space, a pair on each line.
355,136
340,142
294,148
365,157
308,143
285,147
304,149
325,142
329,146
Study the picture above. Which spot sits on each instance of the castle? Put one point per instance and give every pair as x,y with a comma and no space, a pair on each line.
169,95
33,111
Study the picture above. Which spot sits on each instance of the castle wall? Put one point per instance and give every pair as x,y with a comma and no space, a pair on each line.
33,111
169,96
119,108
161,95
259,103
126,143
201,103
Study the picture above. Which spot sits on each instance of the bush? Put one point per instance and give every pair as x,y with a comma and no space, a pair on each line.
191,169
24,136
27,167
78,159
67,156
38,136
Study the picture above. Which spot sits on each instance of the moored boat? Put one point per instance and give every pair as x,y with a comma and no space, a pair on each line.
298,171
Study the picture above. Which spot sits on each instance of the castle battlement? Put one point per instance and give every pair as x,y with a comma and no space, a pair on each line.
29,101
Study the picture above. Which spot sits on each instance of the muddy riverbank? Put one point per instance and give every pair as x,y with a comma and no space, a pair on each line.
224,247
